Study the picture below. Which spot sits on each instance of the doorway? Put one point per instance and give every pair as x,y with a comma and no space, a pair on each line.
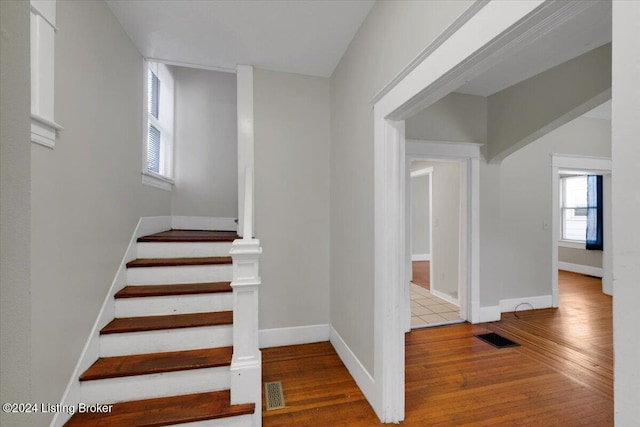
563,165
436,212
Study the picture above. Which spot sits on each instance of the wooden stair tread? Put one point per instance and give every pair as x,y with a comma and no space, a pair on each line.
190,236
165,411
137,291
154,363
173,321
173,262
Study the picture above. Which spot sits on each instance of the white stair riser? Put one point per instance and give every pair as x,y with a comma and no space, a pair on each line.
155,385
182,249
182,274
239,421
175,304
165,340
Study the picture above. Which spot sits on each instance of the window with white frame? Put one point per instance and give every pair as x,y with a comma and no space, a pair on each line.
573,208
158,140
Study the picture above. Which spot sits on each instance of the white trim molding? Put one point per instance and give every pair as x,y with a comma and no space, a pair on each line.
295,335
244,78
91,350
448,298
363,379
509,305
470,242
493,33
489,314
469,13
152,179
587,270
421,257
43,31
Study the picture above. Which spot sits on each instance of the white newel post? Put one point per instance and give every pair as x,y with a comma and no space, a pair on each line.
246,364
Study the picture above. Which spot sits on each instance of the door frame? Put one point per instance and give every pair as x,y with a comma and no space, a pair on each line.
469,245
409,175
460,55
596,165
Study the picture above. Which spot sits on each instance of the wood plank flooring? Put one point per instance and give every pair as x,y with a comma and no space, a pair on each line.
559,376
421,275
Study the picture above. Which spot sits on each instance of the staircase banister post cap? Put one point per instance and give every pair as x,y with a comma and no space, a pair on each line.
246,242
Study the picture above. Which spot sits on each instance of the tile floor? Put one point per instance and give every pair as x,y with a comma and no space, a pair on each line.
429,310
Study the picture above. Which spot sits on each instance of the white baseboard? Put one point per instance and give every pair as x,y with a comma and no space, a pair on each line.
359,373
542,301
493,313
91,350
489,314
582,269
292,336
448,298
421,257
203,223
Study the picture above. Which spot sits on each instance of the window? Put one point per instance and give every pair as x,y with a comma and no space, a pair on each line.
573,207
43,30
158,140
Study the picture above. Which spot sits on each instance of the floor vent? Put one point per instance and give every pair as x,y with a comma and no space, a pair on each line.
273,395
497,340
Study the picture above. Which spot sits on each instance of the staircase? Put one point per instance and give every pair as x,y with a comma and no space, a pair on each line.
166,358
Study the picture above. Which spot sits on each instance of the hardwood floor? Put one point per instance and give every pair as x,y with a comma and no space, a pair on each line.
561,375
421,275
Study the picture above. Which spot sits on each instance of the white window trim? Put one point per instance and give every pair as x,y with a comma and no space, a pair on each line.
42,29
568,243
150,178
153,179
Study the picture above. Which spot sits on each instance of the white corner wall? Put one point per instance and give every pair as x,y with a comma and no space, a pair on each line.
391,36
86,194
626,205
292,199
15,211
420,219
206,144
516,211
445,238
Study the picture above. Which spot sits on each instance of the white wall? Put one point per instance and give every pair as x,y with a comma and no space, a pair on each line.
456,117
446,224
420,218
292,197
525,111
86,194
206,151
626,205
516,205
390,37
580,256
15,211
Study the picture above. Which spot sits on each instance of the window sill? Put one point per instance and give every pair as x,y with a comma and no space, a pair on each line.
155,180
43,131
572,244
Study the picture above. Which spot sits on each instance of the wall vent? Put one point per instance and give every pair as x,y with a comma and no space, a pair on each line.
273,395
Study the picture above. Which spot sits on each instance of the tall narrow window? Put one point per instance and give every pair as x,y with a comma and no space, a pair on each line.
158,165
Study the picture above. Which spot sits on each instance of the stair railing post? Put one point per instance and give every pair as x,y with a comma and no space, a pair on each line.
246,364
